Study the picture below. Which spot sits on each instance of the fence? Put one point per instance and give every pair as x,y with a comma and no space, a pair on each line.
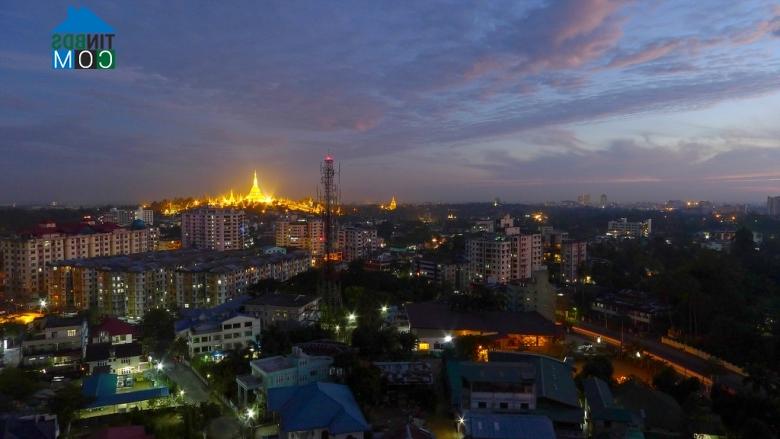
703,355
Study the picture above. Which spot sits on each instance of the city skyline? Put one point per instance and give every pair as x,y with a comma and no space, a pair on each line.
529,102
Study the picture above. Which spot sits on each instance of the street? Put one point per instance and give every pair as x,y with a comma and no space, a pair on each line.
194,390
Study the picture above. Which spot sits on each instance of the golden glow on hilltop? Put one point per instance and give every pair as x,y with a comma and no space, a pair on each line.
392,205
255,198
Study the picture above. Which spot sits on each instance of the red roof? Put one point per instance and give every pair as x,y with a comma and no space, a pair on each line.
125,432
113,326
83,228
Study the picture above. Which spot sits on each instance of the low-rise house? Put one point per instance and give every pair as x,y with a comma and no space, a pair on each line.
114,331
518,383
406,373
104,399
295,369
603,416
436,324
55,341
283,307
317,410
222,328
124,360
639,308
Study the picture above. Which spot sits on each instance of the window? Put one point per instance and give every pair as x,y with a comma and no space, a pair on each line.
247,324
71,332
503,405
481,404
524,406
247,333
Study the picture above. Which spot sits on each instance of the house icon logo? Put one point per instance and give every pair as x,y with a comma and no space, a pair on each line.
83,41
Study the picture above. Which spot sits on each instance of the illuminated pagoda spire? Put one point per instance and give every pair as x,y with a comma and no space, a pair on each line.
255,194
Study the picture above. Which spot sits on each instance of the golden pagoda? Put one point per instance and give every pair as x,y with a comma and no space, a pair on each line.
256,195
390,206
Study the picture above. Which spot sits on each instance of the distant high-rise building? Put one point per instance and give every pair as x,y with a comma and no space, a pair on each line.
213,228
573,254
623,228
584,199
24,257
773,206
603,200
145,215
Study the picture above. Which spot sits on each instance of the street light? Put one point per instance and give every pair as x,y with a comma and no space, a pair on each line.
638,354
43,303
447,338
250,413
351,317
181,393
159,366
384,308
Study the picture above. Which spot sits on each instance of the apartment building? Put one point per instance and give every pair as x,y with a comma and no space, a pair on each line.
303,233
213,228
573,255
24,257
623,228
55,341
282,307
357,242
498,258
128,286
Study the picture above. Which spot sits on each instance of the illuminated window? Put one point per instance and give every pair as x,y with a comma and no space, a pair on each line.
423,346
71,332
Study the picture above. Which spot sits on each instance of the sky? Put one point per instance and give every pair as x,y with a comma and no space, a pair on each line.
425,100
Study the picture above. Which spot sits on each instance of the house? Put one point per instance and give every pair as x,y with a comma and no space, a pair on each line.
661,414
101,390
506,426
295,369
435,324
406,373
55,341
42,426
283,307
518,383
603,416
124,360
114,331
317,410
221,328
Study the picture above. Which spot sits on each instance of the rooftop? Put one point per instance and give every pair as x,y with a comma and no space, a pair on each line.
104,351
283,300
113,326
317,405
210,319
508,426
436,315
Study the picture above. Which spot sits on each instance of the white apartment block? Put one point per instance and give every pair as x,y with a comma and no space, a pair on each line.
623,228
357,242
498,258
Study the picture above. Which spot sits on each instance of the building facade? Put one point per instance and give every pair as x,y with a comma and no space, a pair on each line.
303,233
623,228
276,307
573,255
128,286
498,258
213,228
24,257
357,242
55,341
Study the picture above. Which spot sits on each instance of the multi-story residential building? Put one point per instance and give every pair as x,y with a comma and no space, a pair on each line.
55,341
24,257
773,206
526,255
490,258
534,294
128,286
623,228
637,308
282,307
357,242
498,258
213,228
145,215
303,233
222,328
511,383
573,255
295,369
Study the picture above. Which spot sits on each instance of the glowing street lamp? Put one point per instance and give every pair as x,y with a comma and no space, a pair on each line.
43,303
351,317
159,366
638,354
447,338
250,413
384,308
181,393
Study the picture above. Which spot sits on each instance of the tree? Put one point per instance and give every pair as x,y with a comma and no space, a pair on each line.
17,383
598,367
275,341
157,331
467,347
65,402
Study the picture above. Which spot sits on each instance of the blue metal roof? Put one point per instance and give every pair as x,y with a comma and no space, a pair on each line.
508,426
101,388
317,405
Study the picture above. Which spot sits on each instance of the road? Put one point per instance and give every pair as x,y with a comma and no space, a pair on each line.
194,390
683,362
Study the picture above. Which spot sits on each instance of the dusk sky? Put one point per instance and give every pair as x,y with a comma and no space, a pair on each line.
431,101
